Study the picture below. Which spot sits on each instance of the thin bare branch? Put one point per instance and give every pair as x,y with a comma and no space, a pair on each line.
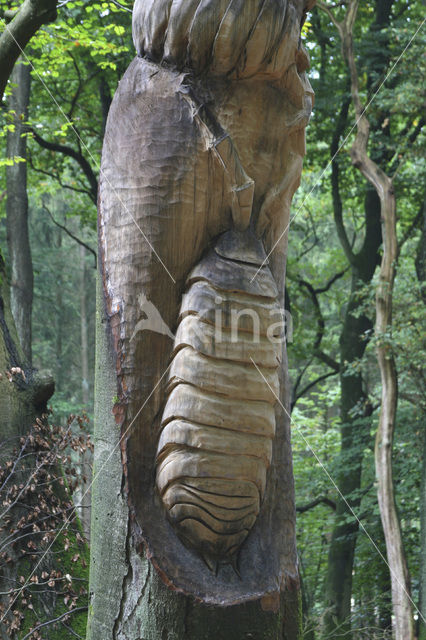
58,619
75,155
71,235
324,7
315,502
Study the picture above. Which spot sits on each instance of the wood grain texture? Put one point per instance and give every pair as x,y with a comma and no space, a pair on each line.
209,436
191,151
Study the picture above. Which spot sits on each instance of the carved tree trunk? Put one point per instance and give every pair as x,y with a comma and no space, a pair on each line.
193,499
17,210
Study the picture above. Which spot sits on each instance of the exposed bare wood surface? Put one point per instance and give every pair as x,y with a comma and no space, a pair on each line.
230,379
210,437
248,313
191,150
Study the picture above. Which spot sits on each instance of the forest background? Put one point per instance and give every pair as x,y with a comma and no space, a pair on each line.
49,172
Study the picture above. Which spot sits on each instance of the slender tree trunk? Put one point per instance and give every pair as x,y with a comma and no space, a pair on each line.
17,209
421,275
385,432
59,370
383,451
85,492
105,99
354,435
83,331
422,547
403,626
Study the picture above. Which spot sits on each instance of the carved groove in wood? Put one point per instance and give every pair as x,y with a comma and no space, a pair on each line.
218,424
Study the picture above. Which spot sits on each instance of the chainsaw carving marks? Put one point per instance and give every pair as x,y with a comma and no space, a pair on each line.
205,134
218,425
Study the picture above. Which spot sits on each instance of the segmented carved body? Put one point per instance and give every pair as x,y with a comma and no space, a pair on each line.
218,424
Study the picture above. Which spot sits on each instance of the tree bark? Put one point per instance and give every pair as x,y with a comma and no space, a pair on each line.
30,16
17,209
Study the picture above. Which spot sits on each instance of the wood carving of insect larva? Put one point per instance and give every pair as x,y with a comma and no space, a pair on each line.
218,424
205,135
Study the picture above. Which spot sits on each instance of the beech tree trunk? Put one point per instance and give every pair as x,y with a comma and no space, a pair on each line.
17,209
189,208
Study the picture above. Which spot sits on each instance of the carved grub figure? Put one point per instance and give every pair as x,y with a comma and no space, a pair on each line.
205,135
218,424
